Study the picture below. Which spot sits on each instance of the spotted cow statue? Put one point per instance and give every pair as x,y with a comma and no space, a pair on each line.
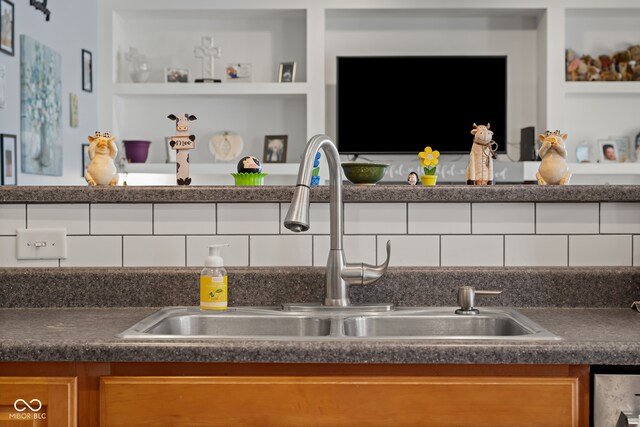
480,168
182,142
102,151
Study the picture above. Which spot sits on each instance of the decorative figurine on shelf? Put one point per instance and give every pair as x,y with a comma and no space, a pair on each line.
249,172
553,169
182,142
207,52
138,65
428,161
102,151
412,179
315,174
483,152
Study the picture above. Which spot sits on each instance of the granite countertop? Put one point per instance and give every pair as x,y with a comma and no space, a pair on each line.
351,193
589,336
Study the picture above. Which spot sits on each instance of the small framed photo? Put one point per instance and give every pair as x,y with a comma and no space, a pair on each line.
171,154
176,75
87,71
275,149
7,31
8,156
624,150
287,72
238,72
85,158
609,151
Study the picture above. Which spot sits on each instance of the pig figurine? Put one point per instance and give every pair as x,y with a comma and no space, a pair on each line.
102,151
553,169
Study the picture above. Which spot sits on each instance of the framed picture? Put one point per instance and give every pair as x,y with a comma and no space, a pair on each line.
238,72
171,154
176,75
611,151
87,71
73,110
287,72
85,158
624,150
3,73
7,32
8,170
275,149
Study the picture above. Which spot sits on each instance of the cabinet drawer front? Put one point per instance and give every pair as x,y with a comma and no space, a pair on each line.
38,401
339,401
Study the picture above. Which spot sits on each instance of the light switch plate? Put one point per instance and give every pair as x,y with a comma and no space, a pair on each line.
41,243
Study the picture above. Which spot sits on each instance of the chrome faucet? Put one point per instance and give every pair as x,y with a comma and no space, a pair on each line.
339,273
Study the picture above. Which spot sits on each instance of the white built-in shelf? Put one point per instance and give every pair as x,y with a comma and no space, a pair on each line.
181,89
607,88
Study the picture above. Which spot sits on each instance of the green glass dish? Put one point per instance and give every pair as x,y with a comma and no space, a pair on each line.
364,173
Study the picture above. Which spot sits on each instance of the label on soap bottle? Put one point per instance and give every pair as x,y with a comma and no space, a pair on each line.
213,293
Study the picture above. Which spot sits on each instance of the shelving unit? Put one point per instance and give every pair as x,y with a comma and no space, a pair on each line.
533,35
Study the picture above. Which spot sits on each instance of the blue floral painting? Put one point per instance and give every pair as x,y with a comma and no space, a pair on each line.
40,108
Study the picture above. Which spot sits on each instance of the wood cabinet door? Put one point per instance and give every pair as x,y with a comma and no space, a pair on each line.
339,401
38,401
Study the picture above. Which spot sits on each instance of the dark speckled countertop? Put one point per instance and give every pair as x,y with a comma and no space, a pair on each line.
73,314
351,193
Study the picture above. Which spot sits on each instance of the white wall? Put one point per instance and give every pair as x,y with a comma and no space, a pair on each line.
71,28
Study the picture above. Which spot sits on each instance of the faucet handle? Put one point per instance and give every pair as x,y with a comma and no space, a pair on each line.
467,299
371,273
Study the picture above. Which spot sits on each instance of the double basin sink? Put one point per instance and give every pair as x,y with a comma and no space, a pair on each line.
352,323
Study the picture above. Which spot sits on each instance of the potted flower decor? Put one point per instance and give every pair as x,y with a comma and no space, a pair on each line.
429,160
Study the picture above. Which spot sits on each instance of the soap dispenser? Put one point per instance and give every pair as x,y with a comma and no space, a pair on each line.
213,281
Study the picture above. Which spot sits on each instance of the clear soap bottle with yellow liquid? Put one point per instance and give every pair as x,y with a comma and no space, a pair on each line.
213,281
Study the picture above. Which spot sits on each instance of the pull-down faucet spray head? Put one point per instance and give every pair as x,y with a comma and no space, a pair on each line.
297,218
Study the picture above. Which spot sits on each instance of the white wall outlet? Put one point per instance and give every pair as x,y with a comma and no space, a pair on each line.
41,243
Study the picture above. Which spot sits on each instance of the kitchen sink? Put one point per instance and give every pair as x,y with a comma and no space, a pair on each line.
349,323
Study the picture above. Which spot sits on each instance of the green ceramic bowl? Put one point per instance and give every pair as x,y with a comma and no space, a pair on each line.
364,173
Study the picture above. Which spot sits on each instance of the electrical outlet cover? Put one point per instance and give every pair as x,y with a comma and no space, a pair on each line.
41,243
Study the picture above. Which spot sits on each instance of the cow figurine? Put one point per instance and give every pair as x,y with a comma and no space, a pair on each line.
483,151
553,168
102,151
182,142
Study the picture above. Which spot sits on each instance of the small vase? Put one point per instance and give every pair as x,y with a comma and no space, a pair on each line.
428,179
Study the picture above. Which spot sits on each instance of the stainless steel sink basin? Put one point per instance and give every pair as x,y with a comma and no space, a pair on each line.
343,324
445,324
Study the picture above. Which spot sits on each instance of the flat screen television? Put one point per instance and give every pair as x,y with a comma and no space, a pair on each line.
401,104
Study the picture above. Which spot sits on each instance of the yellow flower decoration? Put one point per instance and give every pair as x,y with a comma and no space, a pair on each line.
429,157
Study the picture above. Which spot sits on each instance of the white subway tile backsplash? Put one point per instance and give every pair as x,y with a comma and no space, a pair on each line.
121,218
318,218
265,251
8,256
462,251
356,249
11,218
567,218
439,218
538,251
73,217
248,218
600,250
184,218
93,251
371,218
235,255
636,251
502,218
154,251
619,218
410,251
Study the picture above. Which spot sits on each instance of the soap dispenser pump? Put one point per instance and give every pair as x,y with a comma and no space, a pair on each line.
213,281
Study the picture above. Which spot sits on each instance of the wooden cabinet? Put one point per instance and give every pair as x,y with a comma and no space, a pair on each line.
38,401
339,401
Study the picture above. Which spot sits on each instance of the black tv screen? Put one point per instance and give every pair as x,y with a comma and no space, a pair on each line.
401,104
